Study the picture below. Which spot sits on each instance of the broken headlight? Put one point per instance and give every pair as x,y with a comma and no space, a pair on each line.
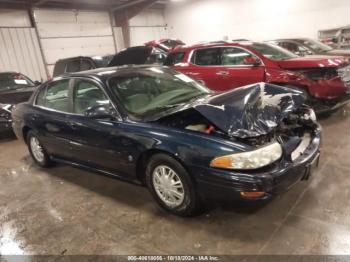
255,159
5,111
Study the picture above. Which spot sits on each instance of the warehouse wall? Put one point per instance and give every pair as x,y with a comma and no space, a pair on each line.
14,18
148,25
65,33
201,20
19,45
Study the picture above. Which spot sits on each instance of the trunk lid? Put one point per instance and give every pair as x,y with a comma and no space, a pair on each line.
16,96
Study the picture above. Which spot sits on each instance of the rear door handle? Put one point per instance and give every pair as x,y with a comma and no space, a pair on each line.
34,117
222,73
73,125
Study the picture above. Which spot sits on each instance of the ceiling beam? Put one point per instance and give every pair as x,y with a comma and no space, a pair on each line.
7,4
128,11
39,2
72,5
127,4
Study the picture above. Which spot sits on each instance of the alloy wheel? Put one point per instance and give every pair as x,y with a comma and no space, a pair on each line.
37,149
168,186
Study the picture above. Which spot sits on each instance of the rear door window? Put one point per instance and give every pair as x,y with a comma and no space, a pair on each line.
207,57
174,58
156,58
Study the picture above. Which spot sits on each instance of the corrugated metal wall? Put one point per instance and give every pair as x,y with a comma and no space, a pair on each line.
20,51
66,33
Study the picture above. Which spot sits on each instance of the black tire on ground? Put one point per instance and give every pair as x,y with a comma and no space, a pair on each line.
45,161
190,204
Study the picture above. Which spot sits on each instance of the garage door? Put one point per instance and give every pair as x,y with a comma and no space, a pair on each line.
71,33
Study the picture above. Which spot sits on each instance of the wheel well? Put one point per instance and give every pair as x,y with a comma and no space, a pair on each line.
25,131
142,161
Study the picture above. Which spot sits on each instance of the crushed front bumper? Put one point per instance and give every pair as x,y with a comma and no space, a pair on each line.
5,125
329,106
222,184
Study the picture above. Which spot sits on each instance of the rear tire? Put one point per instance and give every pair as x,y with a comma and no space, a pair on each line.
171,186
37,151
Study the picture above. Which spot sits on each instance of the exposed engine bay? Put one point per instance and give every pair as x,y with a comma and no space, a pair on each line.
324,73
257,115
296,124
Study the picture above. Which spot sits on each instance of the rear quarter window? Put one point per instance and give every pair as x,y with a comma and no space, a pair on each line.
54,96
59,68
73,66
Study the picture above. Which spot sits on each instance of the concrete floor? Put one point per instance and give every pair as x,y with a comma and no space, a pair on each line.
63,210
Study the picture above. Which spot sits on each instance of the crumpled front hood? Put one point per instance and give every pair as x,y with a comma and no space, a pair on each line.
250,111
340,52
311,62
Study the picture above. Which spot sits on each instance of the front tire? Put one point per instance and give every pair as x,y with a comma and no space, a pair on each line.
37,151
171,185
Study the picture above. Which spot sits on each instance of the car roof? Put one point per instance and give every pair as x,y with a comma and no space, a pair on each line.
186,48
79,57
290,39
106,72
137,47
10,72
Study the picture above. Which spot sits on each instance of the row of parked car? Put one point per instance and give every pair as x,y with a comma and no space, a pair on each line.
185,129
320,72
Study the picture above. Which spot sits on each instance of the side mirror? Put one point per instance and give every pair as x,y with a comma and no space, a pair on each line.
100,112
37,83
252,60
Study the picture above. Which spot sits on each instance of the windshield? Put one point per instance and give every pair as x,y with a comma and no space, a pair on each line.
317,46
102,61
272,52
154,90
11,81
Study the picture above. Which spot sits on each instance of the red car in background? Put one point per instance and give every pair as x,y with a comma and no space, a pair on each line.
165,44
222,66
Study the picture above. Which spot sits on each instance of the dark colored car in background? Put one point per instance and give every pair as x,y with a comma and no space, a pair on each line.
223,66
307,46
152,125
165,44
138,55
14,88
80,63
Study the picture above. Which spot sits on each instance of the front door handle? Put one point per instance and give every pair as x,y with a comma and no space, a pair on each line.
192,73
222,73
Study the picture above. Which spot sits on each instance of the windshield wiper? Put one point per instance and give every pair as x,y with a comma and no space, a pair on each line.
168,106
163,108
